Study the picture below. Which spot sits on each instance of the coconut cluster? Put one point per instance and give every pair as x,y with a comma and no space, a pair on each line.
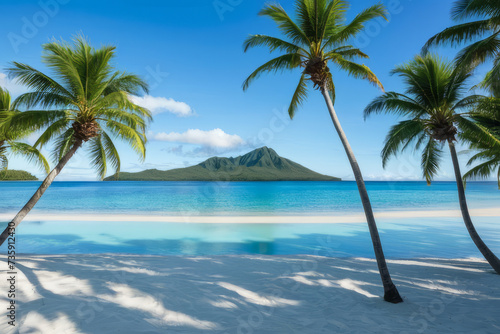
319,72
443,129
86,131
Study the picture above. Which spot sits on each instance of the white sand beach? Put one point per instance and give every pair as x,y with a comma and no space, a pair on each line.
337,218
248,294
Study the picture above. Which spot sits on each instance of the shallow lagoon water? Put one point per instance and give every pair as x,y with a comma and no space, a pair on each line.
408,238
401,237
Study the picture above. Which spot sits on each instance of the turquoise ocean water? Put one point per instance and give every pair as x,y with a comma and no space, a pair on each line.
409,237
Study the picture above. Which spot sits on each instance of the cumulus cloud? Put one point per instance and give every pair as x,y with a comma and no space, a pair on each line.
215,138
158,105
11,85
198,152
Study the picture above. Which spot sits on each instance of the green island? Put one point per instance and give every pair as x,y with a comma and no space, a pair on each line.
262,164
16,175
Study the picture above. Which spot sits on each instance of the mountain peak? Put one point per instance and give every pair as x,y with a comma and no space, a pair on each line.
266,150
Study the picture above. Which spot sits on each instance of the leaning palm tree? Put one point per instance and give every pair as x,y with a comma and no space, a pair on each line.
318,37
85,103
435,105
487,160
483,31
9,140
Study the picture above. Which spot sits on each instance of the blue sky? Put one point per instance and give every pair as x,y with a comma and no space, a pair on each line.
191,54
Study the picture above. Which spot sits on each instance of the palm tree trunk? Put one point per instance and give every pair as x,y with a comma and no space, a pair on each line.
487,253
391,293
38,194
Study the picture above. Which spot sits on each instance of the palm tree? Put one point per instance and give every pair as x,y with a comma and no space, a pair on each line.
487,118
485,26
318,37
85,103
8,138
436,111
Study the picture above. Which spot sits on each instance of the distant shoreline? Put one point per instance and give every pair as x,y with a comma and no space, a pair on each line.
265,218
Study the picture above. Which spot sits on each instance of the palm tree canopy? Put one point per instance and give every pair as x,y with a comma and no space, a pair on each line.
317,37
487,159
435,107
8,137
85,100
482,30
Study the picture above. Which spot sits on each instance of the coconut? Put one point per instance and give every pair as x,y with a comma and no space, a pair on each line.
86,131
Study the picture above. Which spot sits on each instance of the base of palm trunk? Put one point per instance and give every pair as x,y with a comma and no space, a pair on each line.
392,295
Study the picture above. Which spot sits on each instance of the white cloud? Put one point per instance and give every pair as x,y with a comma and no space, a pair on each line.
158,105
11,85
214,138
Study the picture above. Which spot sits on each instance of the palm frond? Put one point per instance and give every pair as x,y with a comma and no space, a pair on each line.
476,133
328,15
4,162
459,34
483,170
111,153
98,156
62,144
481,156
30,153
120,101
53,130
469,8
468,102
136,140
431,158
34,120
299,96
492,78
36,80
478,52
346,52
42,100
458,86
63,59
394,103
272,43
285,23
400,136
125,82
5,101
286,62
306,16
427,79
358,71
357,25
132,120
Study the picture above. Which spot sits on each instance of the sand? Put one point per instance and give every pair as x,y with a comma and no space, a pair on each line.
338,218
248,294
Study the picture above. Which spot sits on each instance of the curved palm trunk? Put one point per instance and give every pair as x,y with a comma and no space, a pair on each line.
487,253
391,293
38,194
